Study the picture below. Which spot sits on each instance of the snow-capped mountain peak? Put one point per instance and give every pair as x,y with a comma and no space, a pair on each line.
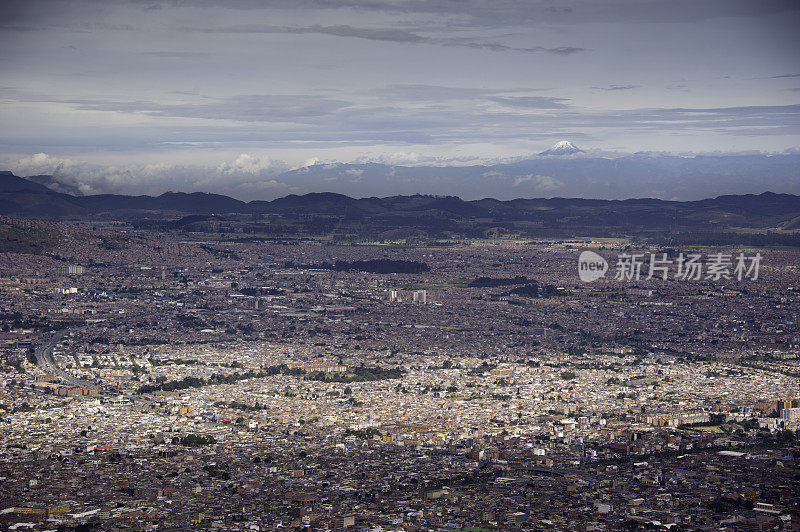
562,147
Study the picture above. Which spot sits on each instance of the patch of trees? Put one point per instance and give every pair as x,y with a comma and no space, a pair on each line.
24,407
365,434
25,240
357,374
114,242
165,362
190,322
242,406
709,238
197,382
728,504
224,253
483,368
16,364
147,341
374,266
283,369
493,282
194,440
15,320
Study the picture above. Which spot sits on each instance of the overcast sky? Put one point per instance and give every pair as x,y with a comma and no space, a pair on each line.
155,95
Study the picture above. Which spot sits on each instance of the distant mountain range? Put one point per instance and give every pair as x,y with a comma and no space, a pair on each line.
423,216
567,174
9,183
562,171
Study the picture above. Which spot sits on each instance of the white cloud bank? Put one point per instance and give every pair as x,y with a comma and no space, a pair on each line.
244,174
538,182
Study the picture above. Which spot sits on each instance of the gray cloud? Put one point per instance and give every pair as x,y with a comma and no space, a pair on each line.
420,92
542,183
497,47
386,35
243,108
465,13
504,12
19,28
464,117
178,55
616,87
532,102
390,35
724,120
77,27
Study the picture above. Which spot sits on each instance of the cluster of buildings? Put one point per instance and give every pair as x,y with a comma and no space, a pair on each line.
166,382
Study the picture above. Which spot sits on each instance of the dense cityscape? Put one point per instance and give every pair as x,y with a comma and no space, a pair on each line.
176,380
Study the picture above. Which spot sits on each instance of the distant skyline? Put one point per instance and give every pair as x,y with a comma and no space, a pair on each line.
148,96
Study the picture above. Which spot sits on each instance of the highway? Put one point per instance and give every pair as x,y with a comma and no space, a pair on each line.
46,361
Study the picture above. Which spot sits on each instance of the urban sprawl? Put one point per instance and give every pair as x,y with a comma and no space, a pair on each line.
174,381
